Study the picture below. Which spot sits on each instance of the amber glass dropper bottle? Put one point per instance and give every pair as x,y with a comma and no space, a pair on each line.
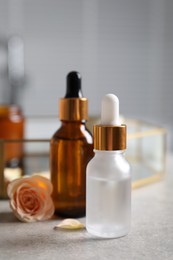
71,150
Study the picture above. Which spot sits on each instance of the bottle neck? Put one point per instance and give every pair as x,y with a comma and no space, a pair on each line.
74,124
109,153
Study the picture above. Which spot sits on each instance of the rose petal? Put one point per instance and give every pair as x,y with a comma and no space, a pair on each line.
12,186
43,182
35,180
49,208
70,223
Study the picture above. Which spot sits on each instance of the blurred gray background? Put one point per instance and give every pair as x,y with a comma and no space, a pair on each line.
123,47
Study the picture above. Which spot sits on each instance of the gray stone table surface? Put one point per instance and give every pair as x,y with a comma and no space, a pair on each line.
151,235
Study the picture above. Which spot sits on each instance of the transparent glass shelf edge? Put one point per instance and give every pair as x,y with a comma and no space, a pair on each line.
146,153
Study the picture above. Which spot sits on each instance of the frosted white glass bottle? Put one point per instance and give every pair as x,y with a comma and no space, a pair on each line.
108,194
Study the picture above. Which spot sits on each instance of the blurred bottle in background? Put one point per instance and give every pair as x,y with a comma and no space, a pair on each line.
12,131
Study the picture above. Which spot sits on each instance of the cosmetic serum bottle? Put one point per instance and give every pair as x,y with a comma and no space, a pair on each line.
108,201
71,150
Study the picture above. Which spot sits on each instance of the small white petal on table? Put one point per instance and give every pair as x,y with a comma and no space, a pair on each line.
70,223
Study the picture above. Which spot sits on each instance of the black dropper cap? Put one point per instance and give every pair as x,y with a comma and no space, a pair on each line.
73,88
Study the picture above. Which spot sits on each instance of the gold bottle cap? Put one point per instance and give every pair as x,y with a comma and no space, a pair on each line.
109,138
110,135
73,109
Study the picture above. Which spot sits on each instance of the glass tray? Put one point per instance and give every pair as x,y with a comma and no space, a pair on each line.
146,151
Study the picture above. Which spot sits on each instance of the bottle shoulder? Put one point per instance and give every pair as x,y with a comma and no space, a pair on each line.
112,168
73,133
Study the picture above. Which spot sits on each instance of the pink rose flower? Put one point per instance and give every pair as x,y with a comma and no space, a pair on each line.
30,198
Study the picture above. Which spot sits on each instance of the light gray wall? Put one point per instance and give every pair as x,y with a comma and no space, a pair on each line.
119,46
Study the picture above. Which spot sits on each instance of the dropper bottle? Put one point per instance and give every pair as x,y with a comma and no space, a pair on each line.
71,150
108,203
